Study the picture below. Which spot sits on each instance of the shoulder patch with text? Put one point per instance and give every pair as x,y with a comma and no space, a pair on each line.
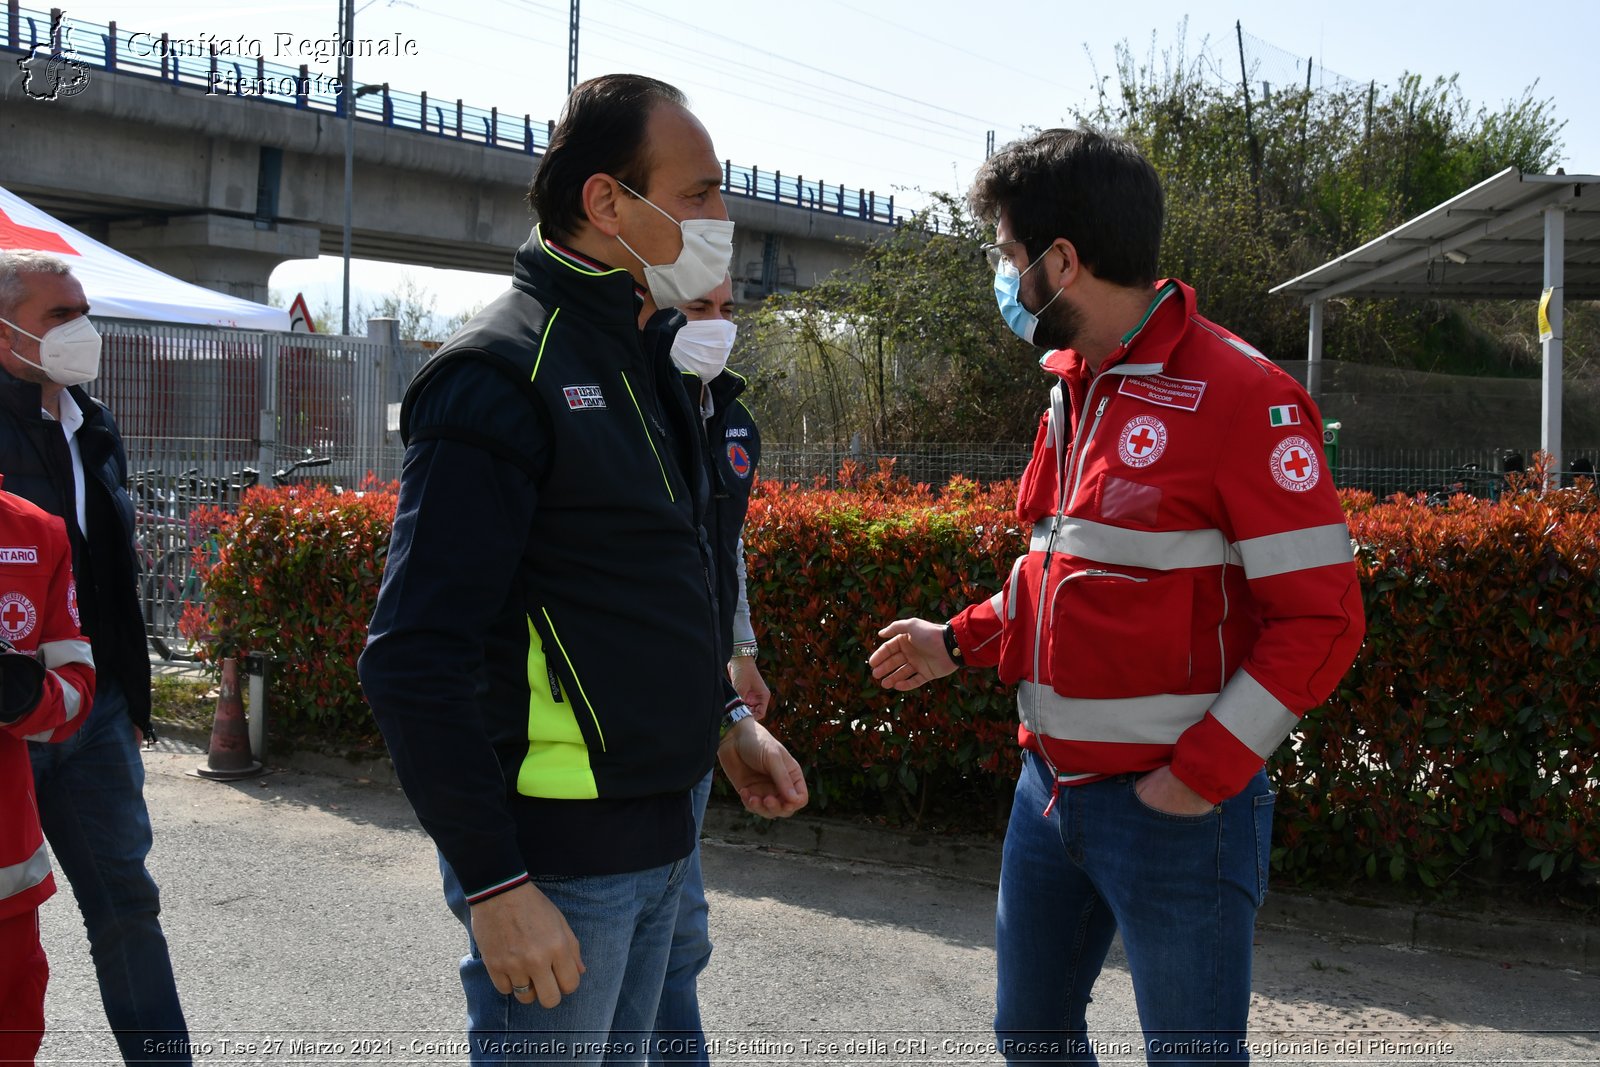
1294,464
584,397
739,460
18,554
1178,393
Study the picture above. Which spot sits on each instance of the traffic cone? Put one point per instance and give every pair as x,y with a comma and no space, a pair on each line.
228,756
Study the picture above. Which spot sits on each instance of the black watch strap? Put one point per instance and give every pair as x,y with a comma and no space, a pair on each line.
951,647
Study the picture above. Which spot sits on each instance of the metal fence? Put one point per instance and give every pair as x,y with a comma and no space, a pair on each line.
1382,471
207,412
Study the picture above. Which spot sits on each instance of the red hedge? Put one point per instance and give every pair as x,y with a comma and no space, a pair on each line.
1461,745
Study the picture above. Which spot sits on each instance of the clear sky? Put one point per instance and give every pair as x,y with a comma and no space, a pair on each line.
891,95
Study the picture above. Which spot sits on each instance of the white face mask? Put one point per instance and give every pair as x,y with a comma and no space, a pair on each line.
699,268
69,353
701,347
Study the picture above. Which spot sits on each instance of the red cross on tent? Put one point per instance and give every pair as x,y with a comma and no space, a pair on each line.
15,236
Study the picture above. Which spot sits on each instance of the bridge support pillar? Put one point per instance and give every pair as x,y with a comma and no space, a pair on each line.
218,252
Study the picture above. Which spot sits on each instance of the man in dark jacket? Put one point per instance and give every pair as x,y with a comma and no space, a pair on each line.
61,449
544,660
733,448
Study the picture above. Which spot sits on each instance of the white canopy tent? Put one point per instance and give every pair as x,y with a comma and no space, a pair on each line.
121,287
1513,236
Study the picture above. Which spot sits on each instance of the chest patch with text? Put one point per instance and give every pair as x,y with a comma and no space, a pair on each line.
584,397
1178,393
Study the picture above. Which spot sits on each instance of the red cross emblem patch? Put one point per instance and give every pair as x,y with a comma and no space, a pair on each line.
1143,440
1294,464
17,616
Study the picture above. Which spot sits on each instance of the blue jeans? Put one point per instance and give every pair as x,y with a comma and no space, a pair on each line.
91,803
1183,891
623,923
679,1036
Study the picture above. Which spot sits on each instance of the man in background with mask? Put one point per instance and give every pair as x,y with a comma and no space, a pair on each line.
1188,592
733,449
544,659
61,449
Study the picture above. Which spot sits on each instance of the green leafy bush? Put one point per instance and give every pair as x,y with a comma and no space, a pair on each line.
295,574
1460,750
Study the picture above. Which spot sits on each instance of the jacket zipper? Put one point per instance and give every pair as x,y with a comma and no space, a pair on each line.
1079,450
649,436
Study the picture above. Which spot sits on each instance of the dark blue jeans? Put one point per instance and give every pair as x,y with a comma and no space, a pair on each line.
679,1037
1182,890
91,802
623,923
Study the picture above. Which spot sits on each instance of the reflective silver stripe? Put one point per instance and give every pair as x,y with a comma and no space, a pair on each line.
20,877
1296,550
71,700
1158,551
1011,587
1152,720
1253,715
1057,422
59,653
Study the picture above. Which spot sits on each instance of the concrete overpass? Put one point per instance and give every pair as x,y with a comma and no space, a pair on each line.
216,169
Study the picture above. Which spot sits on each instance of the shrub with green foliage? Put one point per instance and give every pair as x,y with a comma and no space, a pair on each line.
1461,747
1460,750
827,569
295,574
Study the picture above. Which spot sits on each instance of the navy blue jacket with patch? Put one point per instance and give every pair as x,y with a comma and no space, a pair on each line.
546,660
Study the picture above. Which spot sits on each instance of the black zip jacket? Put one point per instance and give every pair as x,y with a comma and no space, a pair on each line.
38,466
733,447
544,660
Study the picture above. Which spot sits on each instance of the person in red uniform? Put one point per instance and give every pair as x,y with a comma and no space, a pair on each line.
1188,592
46,688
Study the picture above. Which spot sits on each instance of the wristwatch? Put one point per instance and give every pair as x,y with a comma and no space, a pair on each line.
951,647
736,714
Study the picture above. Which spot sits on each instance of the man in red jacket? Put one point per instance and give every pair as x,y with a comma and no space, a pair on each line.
1188,592
46,687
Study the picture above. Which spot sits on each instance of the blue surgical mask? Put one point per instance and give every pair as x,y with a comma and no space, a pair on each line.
1007,283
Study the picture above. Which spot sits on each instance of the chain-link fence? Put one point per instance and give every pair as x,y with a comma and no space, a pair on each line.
934,463
1383,471
205,413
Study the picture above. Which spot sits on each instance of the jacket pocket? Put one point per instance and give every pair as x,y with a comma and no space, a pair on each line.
1121,632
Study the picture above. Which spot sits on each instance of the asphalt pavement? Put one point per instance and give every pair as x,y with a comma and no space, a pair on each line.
307,926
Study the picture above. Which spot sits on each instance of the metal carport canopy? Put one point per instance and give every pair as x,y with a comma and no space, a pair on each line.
1513,236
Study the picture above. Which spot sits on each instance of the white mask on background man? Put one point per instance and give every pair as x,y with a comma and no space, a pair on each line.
699,268
69,353
701,347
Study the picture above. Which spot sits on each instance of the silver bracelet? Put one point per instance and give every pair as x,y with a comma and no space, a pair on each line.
744,648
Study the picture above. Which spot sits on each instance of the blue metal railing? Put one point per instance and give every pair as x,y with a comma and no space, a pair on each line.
198,63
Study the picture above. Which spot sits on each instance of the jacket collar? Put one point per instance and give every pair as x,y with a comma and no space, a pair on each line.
1146,348
562,277
26,399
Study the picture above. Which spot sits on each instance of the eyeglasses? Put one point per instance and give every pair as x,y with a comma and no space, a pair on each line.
998,260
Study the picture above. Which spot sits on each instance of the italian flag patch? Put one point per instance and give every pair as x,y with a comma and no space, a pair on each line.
1284,415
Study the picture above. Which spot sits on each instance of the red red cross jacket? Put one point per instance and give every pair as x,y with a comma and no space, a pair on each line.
38,614
1189,589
